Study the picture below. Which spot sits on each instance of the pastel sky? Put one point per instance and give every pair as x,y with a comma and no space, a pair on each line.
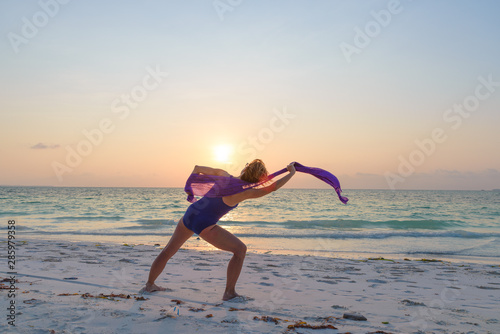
384,94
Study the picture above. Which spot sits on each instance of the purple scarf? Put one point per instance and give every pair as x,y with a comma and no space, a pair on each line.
220,186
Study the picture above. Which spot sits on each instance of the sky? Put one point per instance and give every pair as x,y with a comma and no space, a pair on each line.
383,94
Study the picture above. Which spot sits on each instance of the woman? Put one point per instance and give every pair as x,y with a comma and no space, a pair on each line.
202,216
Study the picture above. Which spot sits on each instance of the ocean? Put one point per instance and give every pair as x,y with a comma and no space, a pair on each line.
449,225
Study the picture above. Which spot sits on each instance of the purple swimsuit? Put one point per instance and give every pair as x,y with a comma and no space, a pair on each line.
204,213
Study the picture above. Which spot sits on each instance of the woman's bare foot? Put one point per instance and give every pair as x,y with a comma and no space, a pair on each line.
239,299
229,296
151,288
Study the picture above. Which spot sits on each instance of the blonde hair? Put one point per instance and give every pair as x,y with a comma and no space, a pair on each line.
254,172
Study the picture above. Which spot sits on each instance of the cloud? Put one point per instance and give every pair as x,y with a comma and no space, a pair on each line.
42,146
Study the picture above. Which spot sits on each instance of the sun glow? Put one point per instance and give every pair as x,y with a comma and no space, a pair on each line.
222,153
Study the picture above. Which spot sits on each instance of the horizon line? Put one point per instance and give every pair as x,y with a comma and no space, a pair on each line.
166,187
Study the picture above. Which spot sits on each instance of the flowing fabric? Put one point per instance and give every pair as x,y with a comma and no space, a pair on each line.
220,186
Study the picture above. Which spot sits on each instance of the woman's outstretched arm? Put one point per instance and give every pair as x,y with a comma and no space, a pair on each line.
255,193
209,171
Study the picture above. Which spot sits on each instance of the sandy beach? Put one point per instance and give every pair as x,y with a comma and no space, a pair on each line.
83,287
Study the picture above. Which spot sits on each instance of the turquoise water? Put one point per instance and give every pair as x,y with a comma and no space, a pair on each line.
438,224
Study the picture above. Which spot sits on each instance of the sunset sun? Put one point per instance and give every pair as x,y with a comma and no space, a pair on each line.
222,153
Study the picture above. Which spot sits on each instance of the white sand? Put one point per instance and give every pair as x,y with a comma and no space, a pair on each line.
395,297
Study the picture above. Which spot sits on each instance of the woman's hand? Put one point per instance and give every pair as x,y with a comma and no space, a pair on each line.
291,168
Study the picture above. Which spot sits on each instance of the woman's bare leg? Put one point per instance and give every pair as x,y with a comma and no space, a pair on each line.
225,240
181,234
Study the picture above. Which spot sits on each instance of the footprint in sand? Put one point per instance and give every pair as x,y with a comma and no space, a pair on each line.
127,261
379,281
202,264
201,269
